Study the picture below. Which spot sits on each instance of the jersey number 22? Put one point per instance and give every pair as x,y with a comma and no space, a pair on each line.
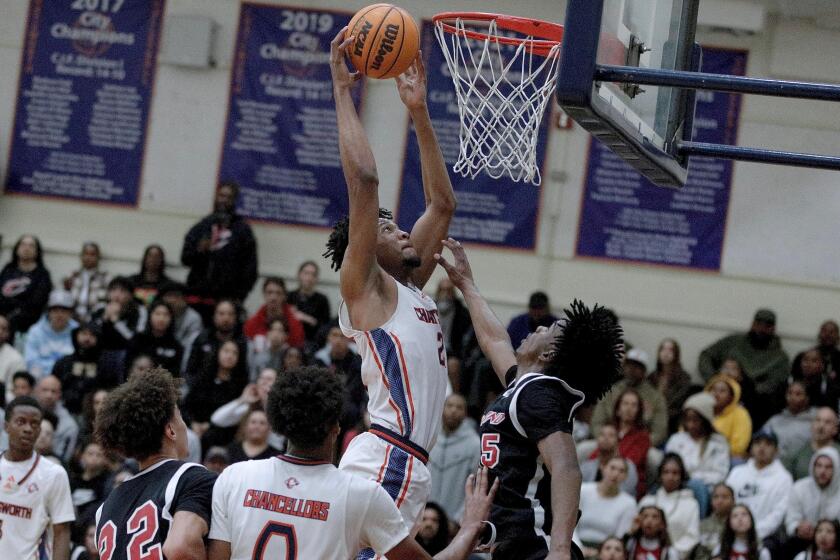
142,526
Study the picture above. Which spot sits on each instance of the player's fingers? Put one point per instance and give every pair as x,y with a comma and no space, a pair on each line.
421,67
442,262
339,37
469,486
494,488
482,481
449,243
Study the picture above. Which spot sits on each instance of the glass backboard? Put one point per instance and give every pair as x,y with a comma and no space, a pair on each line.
642,124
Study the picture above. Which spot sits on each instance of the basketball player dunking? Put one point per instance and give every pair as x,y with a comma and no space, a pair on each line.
394,324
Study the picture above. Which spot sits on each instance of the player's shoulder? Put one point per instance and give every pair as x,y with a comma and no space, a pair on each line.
50,470
550,385
247,471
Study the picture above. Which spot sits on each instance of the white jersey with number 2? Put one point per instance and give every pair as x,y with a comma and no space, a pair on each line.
286,508
404,367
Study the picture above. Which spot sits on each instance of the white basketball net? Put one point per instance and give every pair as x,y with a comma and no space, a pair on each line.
503,91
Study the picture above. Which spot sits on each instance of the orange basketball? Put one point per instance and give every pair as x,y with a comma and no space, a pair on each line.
386,40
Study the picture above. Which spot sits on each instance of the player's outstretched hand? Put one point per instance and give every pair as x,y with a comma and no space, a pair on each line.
459,270
411,84
479,497
341,74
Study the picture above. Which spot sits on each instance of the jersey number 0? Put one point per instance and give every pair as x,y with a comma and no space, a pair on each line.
142,526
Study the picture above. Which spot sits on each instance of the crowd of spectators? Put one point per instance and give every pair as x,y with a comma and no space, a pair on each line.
741,464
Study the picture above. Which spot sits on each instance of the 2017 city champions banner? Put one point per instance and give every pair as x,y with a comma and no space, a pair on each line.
499,212
281,140
624,216
86,78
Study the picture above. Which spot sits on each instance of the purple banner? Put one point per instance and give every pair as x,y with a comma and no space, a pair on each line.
498,212
625,217
281,140
86,79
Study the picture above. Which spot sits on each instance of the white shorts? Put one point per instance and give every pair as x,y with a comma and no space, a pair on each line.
402,474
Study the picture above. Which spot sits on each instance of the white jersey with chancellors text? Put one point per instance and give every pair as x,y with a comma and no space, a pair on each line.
291,508
404,367
34,496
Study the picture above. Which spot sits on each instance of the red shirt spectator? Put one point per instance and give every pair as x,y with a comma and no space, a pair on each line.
275,307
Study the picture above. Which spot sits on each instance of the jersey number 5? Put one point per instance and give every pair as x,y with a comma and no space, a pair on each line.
276,529
142,526
489,450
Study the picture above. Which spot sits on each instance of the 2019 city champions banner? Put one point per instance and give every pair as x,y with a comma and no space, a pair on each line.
625,217
281,141
86,78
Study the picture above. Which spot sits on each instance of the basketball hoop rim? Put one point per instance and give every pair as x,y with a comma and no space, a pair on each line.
550,34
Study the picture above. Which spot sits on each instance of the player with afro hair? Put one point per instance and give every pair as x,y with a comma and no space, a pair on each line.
526,432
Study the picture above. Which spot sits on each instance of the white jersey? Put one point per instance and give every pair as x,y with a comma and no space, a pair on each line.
34,496
404,367
285,507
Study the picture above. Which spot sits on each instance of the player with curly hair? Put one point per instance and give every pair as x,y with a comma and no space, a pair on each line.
165,508
383,271
526,434
298,505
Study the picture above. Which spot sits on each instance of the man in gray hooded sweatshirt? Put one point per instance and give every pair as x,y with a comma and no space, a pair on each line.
813,498
454,457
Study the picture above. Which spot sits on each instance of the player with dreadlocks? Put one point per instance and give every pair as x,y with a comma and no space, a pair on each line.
383,270
526,436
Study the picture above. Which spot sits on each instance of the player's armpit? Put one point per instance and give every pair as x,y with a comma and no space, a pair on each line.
218,550
186,537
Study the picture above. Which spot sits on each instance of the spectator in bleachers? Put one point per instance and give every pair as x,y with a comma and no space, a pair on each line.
705,453
338,354
275,306
673,497
655,410
294,358
821,382
186,320
158,340
763,484
271,355
605,509
732,420
11,360
760,353
671,379
138,364
453,317
826,542
793,424
152,275
454,457
538,315
254,396
711,527
612,549
740,539
25,285
813,498
823,434
51,338
216,459
23,384
88,368
88,285
827,340
607,448
733,369
46,439
224,327
48,394
433,534
88,486
122,317
215,386
648,537
91,405
87,549
633,435
252,440
312,308
221,253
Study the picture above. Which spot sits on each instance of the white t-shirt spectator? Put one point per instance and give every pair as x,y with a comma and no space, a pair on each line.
602,517
765,491
708,463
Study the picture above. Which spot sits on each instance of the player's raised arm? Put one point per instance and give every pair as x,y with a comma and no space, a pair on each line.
359,271
492,335
433,225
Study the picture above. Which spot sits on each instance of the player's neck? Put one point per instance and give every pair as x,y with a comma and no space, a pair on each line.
156,458
17,454
525,366
322,453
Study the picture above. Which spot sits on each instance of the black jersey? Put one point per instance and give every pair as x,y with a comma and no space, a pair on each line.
134,520
531,408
